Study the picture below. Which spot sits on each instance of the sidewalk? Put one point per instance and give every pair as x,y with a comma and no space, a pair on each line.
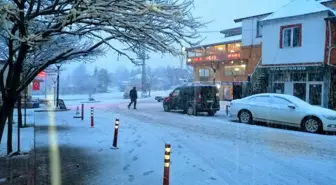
18,169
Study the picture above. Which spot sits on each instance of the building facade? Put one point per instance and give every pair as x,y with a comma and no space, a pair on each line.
298,56
221,64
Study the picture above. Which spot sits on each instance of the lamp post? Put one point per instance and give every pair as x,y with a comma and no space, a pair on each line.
57,88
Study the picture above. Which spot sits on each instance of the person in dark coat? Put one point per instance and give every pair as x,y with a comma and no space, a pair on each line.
134,96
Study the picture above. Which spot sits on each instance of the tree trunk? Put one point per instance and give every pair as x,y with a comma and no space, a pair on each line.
3,119
19,111
10,131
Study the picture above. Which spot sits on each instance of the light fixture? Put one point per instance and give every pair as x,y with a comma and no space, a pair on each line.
242,61
231,62
220,48
243,65
236,69
189,60
218,86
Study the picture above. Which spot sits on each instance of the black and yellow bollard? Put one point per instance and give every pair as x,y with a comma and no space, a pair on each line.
92,118
166,165
115,138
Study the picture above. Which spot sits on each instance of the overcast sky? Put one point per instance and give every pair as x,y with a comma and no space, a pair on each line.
220,12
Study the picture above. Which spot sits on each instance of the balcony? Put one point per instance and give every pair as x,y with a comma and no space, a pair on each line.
204,78
216,52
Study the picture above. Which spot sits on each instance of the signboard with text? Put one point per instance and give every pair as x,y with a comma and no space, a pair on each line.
292,68
219,57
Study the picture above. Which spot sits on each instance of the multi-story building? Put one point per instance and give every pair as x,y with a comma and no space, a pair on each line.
299,54
225,64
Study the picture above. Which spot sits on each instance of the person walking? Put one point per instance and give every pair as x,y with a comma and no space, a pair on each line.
134,96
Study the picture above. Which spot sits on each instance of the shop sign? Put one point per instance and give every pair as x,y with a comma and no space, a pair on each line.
294,68
207,58
233,55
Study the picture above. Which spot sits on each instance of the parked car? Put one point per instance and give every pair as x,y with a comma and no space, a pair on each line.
283,109
192,99
159,98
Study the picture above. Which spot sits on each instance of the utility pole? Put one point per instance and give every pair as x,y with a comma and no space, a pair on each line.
143,57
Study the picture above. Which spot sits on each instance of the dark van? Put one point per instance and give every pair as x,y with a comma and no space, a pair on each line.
192,99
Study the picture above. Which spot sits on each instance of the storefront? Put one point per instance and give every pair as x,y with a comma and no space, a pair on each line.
232,90
309,83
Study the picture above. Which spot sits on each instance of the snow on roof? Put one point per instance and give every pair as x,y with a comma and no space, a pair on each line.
297,8
226,40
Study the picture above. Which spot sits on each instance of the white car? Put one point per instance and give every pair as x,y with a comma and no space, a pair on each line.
282,109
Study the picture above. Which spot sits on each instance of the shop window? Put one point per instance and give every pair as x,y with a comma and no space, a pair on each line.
298,77
279,88
300,90
228,91
233,48
235,70
280,77
315,77
290,36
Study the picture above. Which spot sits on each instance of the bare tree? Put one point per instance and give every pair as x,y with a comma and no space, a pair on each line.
38,33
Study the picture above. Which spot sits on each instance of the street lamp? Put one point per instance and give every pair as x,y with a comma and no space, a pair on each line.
57,89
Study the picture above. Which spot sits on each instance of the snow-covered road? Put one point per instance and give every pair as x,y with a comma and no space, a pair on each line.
205,150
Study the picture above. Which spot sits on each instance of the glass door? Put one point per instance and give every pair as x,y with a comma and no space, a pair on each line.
300,90
315,94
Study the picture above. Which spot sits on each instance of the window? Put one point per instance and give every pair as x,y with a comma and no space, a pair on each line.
280,77
204,72
259,29
279,88
176,92
235,70
260,99
280,101
315,77
298,77
233,48
290,36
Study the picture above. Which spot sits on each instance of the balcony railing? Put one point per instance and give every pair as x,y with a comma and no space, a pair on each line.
204,78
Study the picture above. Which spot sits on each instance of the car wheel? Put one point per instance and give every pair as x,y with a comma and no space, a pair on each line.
166,107
211,113
245,116
312,125
191,111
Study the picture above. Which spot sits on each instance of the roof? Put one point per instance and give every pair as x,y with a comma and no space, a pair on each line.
226,40
297,8
232,31
259,15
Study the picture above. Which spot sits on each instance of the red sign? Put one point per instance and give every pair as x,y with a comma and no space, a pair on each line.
42,74
233,55
36,85
207,58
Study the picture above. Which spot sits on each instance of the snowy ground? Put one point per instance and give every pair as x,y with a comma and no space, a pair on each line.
27,134
205,150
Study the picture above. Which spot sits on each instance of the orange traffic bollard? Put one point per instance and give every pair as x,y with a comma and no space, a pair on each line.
166,165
